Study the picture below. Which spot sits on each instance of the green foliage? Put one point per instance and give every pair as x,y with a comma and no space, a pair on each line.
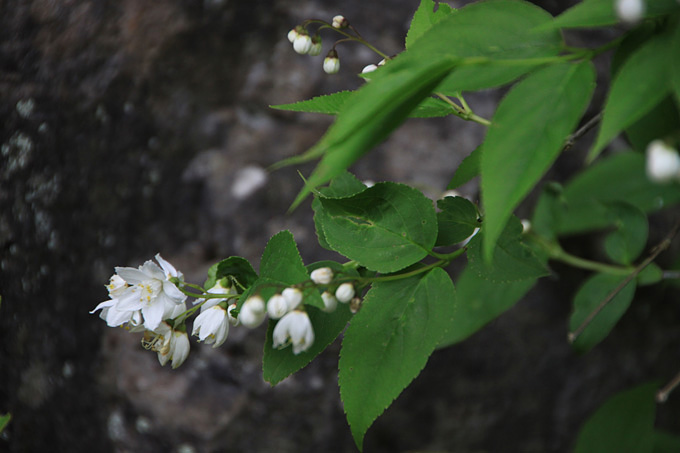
527,134
512,259
385,228
456,221
467,170
389,341
625,423
628,240
642,83
424,18
234,266
600,13
4,421
589,297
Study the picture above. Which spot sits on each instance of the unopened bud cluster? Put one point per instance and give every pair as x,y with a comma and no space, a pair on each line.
148,300
306,44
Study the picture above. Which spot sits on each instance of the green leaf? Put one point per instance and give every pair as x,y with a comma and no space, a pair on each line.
588,298
278,364
4,421
626,243
484,34
625,423
600,13
480,301
584,197
547,213
424,18
512,259
385,228
234,266
281,260
467,170
650,275
527,134
332,104
663,120
457,220
375,111
665,442
389,341
641,83
675,64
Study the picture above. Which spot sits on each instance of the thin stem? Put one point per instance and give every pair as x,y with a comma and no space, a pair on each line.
663,245
670,275
462,112
594,121
662,395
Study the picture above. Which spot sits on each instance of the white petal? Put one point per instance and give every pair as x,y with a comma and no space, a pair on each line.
153,315
172,291
131,275
152,270
168,268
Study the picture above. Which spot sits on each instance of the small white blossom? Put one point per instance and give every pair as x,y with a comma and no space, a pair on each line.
292,35
331,65
329,302
216,289
344,293
252,312
450,193
340,22
630,11
293,296
234,321
355,305
302,44
663,162
322,275
294,328
277,306
212,326
171,345
526,225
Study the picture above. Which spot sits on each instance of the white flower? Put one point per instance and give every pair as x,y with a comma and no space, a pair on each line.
212,326
292,35
344,293
340,22
216,289
277,306
293,296
171,345
151,291
322,275
331,65
294,328
252,312
115,317
302,44
630,11
663,162
329,302
232,320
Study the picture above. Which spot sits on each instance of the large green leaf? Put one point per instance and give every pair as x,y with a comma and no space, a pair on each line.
629,238
385,228
389,341
467,170
457,220
332,104
625,423
480,301
512,261
600,13
527,134
589,297
662,121
641,83
375,111
665,442
424,18
485,35
583,201
234,266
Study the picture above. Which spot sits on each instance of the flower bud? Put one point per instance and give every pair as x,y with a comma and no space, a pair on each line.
663,162
340,22
293,297
302,44
369,68
355,305
292,35
344,293
526,225
252,312
232,320
331,64
450,193
329,302
630,11
277,306
316,46
322,275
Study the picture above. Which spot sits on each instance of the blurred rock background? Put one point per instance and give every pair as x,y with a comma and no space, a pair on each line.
142,126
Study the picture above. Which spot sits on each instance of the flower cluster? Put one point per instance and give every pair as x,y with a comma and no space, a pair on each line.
149,299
